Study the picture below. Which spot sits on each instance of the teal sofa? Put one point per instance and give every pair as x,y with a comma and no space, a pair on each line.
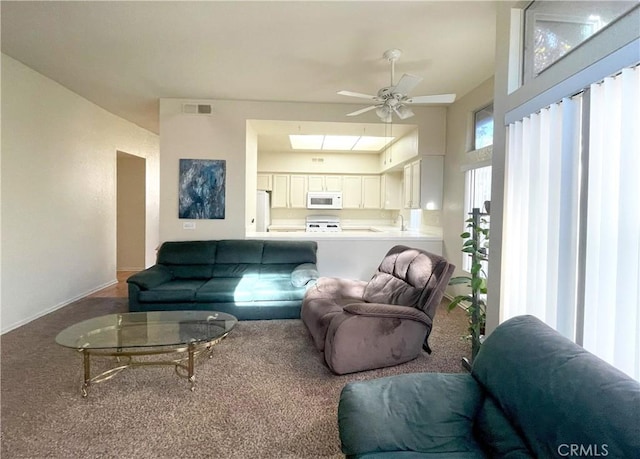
250,279
531,394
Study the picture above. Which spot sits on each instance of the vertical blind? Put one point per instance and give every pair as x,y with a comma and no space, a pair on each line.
612,271
543,219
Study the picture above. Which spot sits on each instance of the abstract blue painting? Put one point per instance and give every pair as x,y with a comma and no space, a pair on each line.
202,188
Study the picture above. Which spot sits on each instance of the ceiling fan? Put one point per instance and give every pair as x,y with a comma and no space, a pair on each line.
394,98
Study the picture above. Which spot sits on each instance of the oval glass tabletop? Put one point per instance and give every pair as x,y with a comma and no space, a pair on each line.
147,329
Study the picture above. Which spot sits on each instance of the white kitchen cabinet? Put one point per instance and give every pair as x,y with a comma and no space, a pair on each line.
351,192
298,191
264,182
332,183
325,183
423,182
391,190
361,192
280,191
371,192
289,191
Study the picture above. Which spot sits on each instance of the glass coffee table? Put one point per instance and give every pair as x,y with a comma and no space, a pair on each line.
179,336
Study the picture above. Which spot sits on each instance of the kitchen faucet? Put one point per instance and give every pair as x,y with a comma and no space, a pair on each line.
402,227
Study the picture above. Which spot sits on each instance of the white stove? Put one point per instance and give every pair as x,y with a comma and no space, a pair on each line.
323,223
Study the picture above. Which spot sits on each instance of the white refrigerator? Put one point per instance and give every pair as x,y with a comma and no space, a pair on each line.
263,210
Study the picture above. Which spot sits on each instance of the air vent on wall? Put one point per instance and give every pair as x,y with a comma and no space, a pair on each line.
196,109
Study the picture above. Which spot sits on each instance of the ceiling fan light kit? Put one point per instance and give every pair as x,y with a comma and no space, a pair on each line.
394,98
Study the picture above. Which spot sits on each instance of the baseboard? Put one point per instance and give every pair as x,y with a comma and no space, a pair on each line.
56,307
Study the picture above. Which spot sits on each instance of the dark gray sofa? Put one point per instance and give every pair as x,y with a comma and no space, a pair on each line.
531,393
251,279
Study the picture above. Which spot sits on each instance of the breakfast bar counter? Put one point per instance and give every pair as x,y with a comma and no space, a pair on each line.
356,251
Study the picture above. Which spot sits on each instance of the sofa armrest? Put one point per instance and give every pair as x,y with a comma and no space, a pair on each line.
387,310
151,277
422,412
303,274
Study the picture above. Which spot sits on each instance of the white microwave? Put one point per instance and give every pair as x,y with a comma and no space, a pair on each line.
324,200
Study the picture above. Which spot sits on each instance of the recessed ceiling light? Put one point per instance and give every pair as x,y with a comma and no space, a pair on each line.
306,142
339,142
369,143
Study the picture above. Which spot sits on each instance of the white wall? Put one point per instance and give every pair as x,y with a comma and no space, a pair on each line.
224,135
460,126
58,193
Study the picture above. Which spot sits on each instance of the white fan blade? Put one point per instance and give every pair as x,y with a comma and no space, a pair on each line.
406,84
358,112
357,94
434,99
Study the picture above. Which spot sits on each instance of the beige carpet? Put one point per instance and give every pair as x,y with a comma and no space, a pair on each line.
266,394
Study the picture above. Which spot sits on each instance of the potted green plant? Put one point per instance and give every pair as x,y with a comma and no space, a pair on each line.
476,244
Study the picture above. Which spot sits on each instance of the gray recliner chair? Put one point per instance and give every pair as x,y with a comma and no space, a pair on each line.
387,321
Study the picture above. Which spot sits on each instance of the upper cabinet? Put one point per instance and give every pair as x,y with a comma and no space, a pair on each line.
289,191
325,183
391,190
423,183
361,192
264,182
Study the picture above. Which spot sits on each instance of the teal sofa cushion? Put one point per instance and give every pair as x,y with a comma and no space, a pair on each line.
420,412
243,270
191,271
187,253
556,393
297,252
239,251
277,290
172,291
497,434
226,290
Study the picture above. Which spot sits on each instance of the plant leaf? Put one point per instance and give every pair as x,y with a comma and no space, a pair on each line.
459,280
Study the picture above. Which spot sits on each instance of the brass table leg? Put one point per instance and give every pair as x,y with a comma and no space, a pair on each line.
87,373
192,378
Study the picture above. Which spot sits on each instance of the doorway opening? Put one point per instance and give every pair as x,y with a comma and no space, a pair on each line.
131,213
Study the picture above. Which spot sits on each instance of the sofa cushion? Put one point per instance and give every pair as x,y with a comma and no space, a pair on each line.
277,290
187,253
239,251
420,412
236,270
282,271
226,290
496,433
191,271
172,291
556,393
289,252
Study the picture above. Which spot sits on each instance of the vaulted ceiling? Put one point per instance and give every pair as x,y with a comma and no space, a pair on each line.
124,56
